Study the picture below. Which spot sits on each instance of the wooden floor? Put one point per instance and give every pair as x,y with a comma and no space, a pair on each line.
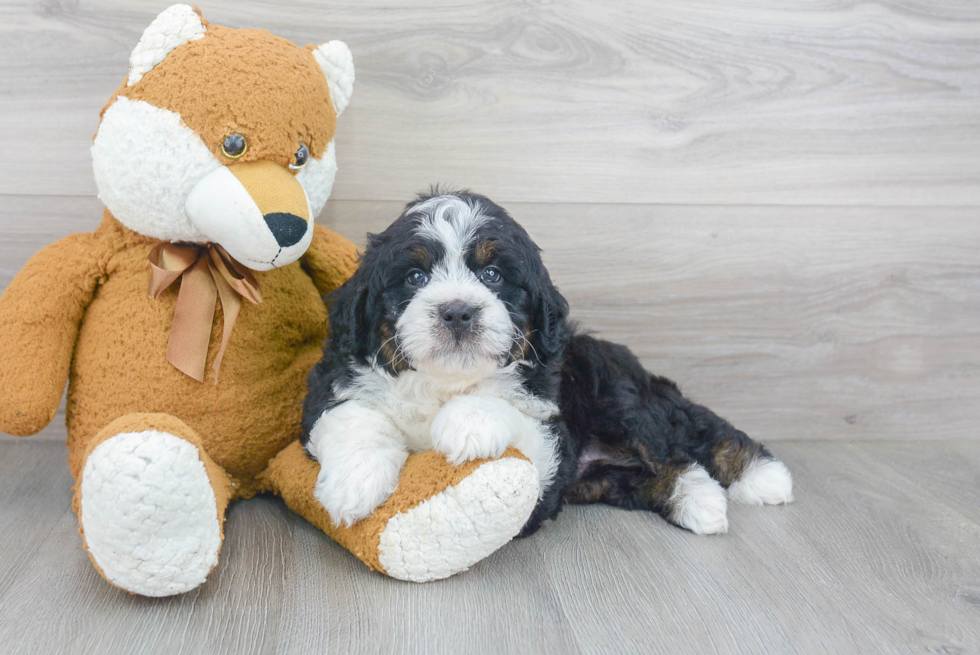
879,554
774,202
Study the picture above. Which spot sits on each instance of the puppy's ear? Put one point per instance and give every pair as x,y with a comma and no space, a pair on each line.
354,313
548,319
348,317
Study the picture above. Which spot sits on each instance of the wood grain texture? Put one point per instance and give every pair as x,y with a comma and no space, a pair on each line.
860,563
872,557
774,203
792,322
676,101
950,473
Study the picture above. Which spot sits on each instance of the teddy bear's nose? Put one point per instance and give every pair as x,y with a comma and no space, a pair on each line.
287,228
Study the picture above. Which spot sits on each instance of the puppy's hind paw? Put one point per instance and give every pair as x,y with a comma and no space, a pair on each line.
698,502
765,481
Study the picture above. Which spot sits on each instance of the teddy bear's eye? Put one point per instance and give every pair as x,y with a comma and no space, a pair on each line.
234,146
302,156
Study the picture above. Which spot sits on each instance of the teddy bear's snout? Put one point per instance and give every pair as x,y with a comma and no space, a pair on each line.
257,211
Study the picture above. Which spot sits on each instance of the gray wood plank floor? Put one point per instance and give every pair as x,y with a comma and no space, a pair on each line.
773,202
879,554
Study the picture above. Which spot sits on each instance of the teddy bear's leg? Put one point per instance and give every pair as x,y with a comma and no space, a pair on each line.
440,520
151,505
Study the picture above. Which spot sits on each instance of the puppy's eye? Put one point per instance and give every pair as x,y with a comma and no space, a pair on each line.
417,278
491,275
234,146
302,156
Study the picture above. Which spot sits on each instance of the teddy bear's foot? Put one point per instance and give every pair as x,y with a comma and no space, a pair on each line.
440,520
461,525
149,514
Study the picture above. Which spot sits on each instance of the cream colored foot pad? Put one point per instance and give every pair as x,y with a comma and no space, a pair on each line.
149,513
460,526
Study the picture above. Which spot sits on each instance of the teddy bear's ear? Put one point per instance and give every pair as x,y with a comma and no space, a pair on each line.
338,65
174,27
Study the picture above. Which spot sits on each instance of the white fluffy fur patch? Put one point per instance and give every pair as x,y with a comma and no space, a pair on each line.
764,482
361,454
412,401
175,26
146,161
472,427
149,513
461,525
451,221
335,60
698,502
317,178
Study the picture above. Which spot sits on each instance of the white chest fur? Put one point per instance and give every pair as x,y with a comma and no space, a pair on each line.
363,442
412,399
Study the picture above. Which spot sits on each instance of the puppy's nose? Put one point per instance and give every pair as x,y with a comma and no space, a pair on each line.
458,316
287,228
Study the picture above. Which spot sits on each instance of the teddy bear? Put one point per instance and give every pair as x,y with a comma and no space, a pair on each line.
187,322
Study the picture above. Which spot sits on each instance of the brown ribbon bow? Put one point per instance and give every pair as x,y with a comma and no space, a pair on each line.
208,272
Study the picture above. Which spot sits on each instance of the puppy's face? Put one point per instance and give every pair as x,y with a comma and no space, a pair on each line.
454,287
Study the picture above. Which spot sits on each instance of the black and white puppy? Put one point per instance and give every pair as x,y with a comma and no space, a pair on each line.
451,336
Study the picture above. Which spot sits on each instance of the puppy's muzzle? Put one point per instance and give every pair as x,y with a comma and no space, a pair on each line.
459,317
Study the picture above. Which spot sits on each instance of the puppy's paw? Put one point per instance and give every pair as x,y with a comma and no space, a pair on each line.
764,482
470,427
361,454
350,495
698,502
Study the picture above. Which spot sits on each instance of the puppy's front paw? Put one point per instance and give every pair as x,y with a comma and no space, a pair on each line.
361,454
698,502
470,427
352,495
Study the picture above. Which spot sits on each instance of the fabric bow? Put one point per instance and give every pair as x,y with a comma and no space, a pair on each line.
208,272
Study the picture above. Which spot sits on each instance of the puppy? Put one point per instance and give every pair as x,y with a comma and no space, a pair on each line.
451,336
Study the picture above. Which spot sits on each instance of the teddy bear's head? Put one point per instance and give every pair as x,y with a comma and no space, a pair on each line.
224,136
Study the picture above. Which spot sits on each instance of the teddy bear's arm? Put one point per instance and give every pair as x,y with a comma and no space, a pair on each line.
330,260
40,313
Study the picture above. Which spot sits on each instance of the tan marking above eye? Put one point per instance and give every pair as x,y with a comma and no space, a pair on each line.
484,252
420,257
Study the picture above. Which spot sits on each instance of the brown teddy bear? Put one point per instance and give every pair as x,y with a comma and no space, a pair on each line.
187,322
